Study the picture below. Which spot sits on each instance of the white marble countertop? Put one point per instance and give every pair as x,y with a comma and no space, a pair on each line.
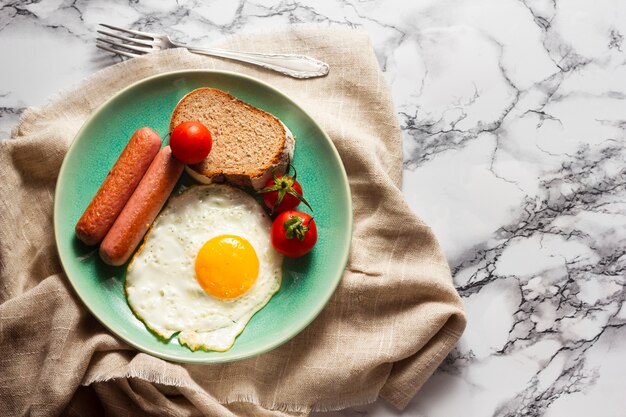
514,117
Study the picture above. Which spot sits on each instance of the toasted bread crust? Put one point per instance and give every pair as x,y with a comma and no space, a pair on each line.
248,143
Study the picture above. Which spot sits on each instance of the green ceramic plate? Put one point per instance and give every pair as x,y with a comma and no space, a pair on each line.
308,282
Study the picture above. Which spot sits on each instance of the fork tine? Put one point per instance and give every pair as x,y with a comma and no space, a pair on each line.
115,51
126,38
125,45
130,31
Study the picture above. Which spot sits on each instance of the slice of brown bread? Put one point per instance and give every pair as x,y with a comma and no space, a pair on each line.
248,143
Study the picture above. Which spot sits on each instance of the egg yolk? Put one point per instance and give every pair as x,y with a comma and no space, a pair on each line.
227,266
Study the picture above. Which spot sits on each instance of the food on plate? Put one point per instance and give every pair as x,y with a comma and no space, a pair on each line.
249,144
191,142
118,186
205,267
283,192
141,209
294,233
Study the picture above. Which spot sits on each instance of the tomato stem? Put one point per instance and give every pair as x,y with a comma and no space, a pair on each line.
294,227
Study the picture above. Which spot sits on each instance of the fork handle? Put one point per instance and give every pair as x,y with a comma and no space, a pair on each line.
297,66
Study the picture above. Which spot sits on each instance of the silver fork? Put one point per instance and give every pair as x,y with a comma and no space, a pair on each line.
132,43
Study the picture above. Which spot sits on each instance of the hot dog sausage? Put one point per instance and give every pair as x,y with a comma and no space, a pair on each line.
118,186
142,208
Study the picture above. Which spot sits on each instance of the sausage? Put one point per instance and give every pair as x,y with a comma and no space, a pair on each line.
118,186
142,208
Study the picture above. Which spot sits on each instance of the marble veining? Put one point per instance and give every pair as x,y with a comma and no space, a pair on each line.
513,115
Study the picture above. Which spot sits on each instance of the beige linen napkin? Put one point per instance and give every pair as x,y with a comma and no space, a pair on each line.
392,320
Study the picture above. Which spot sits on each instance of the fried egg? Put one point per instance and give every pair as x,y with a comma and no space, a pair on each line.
205,268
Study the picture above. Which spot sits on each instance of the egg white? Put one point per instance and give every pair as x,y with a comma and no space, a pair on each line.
161,287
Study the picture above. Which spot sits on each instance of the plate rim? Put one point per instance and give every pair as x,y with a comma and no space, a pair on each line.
107,323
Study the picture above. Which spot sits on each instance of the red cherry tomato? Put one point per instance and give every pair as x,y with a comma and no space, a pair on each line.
286,186
283,192
294,233
191,142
